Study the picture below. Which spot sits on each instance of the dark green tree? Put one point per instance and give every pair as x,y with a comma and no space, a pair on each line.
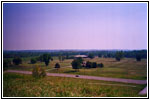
101,65
63,58
79,59
67,56
46,58
91,55
138,57
6,63
57,65
88,64
59,57
76,64
33,60
94,64
99,55
17,61
119,55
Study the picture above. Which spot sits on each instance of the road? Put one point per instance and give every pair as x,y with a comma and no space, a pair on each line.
86,77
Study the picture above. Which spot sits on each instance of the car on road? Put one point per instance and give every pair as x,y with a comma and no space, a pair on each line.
77,75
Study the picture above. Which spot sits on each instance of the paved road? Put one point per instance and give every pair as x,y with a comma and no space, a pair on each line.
87,77
144,91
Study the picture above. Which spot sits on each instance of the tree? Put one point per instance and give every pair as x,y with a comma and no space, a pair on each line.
57,65
88,64
99,55
63,58
76,64
17,61
79,59
94,64
91,55
138,57
67,56
46,58
6,63
33,60
101,65
119,55
59,57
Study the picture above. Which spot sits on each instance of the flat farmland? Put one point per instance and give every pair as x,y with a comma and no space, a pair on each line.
126,68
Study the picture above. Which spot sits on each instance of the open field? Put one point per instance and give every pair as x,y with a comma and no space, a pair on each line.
19,85
126,68
75,49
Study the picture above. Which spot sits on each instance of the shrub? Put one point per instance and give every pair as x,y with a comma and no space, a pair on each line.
88,64
138,57
17,61
94,64
33,60
99,55
57,65
6,63
38,72
119,55
101,65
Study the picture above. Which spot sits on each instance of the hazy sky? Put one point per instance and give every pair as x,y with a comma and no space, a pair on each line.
74,26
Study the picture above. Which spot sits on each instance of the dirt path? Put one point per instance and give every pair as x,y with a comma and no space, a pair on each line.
87,77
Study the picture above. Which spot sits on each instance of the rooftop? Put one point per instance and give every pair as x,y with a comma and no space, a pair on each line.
83,56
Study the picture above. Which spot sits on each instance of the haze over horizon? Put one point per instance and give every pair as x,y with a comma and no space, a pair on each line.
59,26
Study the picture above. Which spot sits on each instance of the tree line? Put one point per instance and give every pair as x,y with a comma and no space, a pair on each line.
76,64
70,54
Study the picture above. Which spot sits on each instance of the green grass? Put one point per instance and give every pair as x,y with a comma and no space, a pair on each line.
19,85
126,68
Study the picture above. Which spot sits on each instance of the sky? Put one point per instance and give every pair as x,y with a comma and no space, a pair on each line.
50,26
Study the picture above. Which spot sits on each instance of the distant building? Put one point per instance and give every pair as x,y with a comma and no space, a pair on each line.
82,56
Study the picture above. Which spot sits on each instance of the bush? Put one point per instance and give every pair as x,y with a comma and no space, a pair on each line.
38,72
138,57
17,61
94,64
119,55
6,63
88,64
33,61
101,65
57,65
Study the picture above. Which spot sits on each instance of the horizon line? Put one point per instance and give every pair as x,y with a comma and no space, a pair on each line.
68,49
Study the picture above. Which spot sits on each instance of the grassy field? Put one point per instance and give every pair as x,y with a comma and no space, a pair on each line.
126,68
19,85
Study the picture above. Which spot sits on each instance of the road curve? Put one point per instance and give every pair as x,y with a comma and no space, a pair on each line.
86,77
